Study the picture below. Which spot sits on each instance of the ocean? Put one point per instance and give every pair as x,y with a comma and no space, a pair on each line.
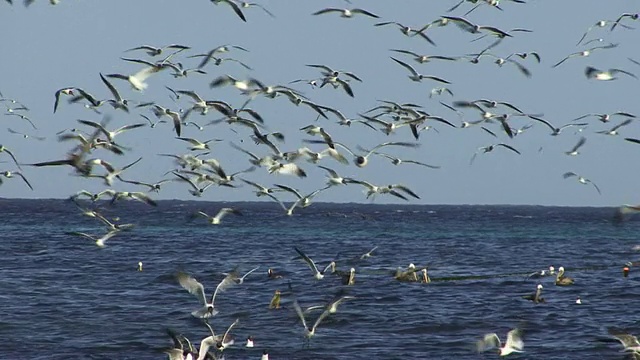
62,297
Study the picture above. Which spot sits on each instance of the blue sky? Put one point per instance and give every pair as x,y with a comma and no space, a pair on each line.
49,47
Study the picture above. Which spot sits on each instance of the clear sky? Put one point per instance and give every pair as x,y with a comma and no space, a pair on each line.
46,48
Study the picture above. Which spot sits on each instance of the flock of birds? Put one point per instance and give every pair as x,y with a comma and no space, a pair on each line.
198,171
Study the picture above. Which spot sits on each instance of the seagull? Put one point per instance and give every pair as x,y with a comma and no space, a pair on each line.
194,287
220,49
584,53
628,341
415,76
346,13
614,130
287,169
632,16
117,102
513,344
543,273
111,134
249,343
215,220
234,6
304,201
332,305
369,253
4,149
606,117
155,51
362,160
10,174
581,180
26,136
486,149
308,332
602,75
554,130
66,91
137,80
574,150
333,178
408,31
240,280
23,117
318,275
398,161
198,145
599,24
246,5
100,241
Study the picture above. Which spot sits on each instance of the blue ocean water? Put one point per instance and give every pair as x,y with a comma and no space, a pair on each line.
63,297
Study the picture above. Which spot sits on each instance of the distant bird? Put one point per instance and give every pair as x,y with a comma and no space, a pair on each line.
26,136
614,130
317,274
215,220
408,31
234,6
111,134
574,150
11,174
513,344
584,53
190,284
4,149
398,161
362,160
562,280
632,16
599,24
100,241
346,13
308,331
369,253
155,51
581,179
606,117
64,91
246,5
137,80
605,75
486,149
415,76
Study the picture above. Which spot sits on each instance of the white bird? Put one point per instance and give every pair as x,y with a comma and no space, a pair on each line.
249,343
628,341
574,150
195,288
581,180
605,75
513,344
346,13
100,241
215,220
415,76
137,80
308,332
317,274
614,130
10,174
111,134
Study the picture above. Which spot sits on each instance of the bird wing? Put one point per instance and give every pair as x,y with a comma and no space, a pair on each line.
406,66
514,340
192,286
308,260
509,147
